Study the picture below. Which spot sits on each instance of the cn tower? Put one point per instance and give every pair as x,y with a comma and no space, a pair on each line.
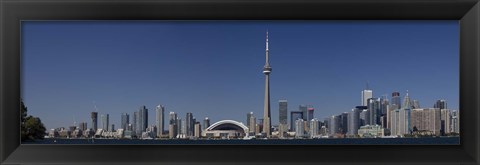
267,124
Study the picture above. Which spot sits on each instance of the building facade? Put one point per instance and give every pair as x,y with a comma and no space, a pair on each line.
125,120
94,117
294,116
105,122
160,109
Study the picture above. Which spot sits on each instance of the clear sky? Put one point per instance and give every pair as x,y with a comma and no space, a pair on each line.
214,68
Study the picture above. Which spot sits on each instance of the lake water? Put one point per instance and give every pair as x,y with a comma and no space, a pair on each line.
346,141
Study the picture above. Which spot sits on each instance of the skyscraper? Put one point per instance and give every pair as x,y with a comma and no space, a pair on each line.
303,109
160,119
294,116
94,116
135,122
282,114
252,125
404,125
105,122
142,120
314,127
282,109
365,117
354,121
446,121
334,125
184,127
189,124
266,108
172,125
299,128
249,115
179,125
440,104
343,122
455,121
197,129
310,111
426,119
83,126
373,105
206,123
384,105
366,94
396,100
125,121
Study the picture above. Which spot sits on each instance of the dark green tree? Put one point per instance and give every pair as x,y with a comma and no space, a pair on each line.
31,127
34,128
23,118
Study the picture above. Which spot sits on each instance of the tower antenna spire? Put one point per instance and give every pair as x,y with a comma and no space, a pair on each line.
266,51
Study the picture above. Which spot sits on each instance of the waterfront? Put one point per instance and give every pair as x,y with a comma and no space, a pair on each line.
336,141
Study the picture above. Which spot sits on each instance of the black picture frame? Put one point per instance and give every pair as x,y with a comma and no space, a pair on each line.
14,11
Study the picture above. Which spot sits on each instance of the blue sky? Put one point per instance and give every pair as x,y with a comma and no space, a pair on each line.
214,68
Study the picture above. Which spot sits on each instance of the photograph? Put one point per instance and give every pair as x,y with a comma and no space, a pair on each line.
233,82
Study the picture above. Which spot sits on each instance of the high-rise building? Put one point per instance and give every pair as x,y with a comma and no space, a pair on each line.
299,128
172,125
394,122
282,108
366,94
440,104
249,115
283,121
294,116
112,127
125,121
428,119
314,128
172,118
160,119
396,101
343,123
267,123
142,120
310,111
105,122
365,117
446,121
373,105
83,126
384,105
334,125
189,124
206,123
401,123
252,125
184,127
172,131
303,109
354,121
94,116
455,121
135,123
198,130
179,126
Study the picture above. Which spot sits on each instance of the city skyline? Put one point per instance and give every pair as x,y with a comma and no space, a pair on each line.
295,98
